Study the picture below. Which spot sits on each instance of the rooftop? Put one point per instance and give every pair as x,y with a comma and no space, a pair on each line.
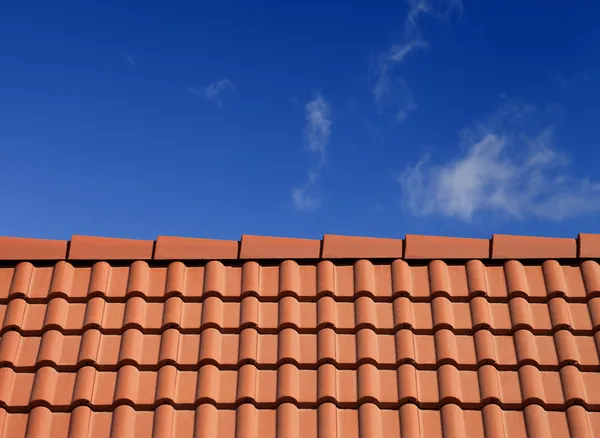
270,337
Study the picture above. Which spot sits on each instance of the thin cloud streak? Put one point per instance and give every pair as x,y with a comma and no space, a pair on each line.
503,169
318,125
213,91
317,131
399,52
392,94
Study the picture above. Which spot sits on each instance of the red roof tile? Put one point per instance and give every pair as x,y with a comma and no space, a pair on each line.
182,248
343,247
526,247
433,247
104,248
356,346
19,248
261,247
589,245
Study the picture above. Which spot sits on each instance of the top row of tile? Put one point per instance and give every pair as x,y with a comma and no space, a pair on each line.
413,247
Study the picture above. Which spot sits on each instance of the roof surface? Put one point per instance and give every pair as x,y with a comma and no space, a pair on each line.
343,337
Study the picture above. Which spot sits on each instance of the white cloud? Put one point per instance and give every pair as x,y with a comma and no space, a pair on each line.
214,90
303,200
317,131
502,169
413,39
318,125
390,93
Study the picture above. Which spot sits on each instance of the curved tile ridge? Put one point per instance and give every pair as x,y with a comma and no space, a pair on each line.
308,317
228,351
337,247
303,388
328,421
307,282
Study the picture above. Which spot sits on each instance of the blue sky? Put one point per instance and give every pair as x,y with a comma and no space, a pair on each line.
213,119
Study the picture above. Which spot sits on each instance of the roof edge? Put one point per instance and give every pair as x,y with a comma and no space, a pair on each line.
24,248
330,247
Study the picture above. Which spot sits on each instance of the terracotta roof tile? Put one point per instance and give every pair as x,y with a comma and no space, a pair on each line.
293,347
589,245
168,248
289,421
261,247
183,248
20,248
104,248
432,247
351,247
528,247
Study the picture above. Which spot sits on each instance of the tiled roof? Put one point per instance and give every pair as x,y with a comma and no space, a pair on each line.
343,337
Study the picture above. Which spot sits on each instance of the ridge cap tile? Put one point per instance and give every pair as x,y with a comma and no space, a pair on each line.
508,246
336,246
26,248
270,247
331,246
417,246
109,248
194,248
589,245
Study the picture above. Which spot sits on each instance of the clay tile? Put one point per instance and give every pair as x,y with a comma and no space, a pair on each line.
352,247
19,248
433,247
528,247
259,247
589,245
184,248
104,248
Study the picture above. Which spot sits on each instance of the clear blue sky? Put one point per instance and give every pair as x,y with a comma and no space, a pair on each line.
380,118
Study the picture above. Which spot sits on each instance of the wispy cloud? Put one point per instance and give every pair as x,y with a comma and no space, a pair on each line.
318,125
391,93
507,167
399,52
317,132
128,57
213,91
303,198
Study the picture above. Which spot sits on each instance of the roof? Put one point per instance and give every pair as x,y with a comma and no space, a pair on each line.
413,247
339,337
